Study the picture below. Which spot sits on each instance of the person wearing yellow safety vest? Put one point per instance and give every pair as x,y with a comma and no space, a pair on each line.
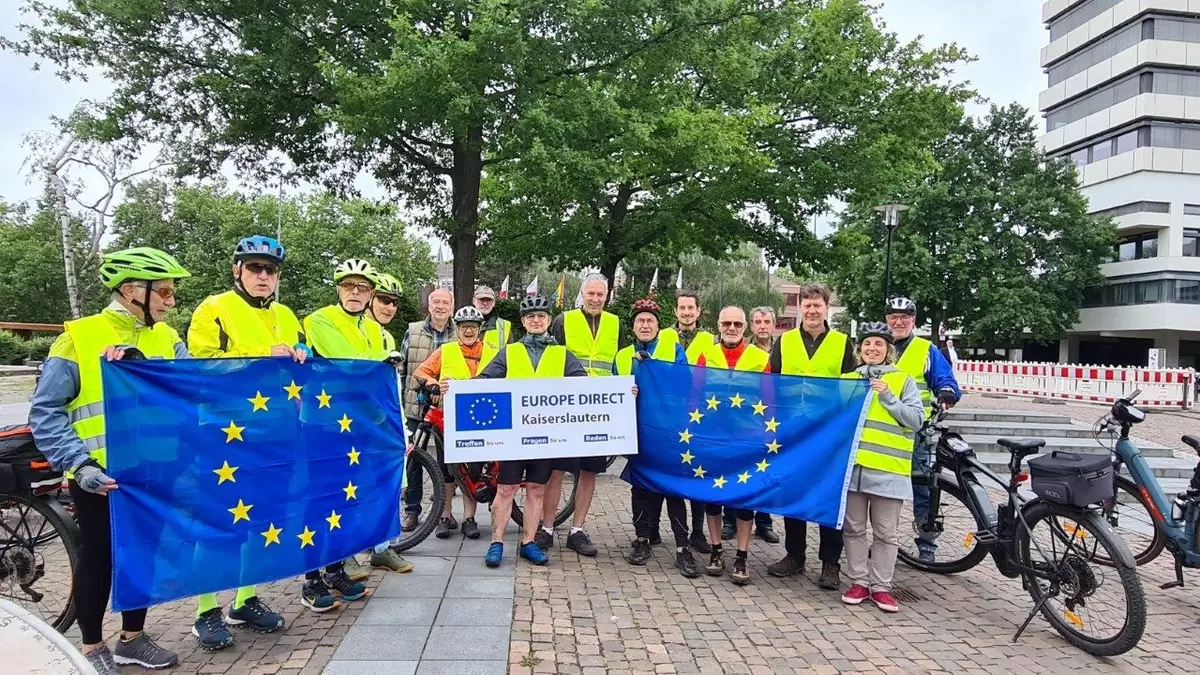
66,417
812,349
694,341
647,505
592,335
496,332
934,376
732,352
244,322
880,481
456,360
534,355
384,305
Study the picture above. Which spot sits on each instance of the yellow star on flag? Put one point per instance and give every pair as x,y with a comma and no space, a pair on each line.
259,401
699,472
293,390
233,431
351,491
685,436
759,408
687,457
744,477
773,446
719,482
225,473
272,535
323,399
334,519
713,403
762,466
345,422
241,511
736,400
353,455
771,424
306,537
696,415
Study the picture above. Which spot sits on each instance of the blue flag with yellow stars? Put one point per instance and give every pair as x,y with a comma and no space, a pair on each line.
233,472
779,444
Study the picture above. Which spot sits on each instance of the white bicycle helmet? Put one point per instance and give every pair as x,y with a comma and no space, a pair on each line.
354,267
468,314
901,305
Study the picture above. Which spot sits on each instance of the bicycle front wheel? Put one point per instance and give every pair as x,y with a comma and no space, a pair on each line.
1101,610
1130,515
958,550
39,552
425,475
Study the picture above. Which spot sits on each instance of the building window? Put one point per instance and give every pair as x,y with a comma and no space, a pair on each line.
1191,243
793,299
1097,53
1179,30
1101,99
1133,207
1085,12
1136,247
1191,210
1187,291
1182,136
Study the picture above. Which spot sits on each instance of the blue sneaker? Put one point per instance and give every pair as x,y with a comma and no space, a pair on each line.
533,553
494,554
349,590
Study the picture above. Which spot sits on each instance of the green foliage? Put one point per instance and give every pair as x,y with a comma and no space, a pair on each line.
998,239
38,346
33,286
12,348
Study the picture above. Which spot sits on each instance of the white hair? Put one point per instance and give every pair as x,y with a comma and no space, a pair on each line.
769,311
595,276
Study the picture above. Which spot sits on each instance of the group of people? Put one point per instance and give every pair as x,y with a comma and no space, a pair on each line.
908,374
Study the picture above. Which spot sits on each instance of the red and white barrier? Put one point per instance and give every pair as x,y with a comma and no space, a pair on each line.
1161,387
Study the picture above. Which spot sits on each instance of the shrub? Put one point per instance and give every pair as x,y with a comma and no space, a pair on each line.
12,349
37,347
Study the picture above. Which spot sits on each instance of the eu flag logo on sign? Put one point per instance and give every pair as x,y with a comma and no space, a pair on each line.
483,412
234,472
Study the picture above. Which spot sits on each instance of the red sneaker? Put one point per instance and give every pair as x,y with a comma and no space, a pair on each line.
884,600
855,595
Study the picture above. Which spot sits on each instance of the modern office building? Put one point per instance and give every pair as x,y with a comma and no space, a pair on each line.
1123,102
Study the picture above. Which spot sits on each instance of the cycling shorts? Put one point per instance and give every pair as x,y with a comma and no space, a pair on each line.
518,471
577,464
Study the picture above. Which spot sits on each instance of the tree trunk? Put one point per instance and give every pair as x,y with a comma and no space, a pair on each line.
64,219
465,179
611,251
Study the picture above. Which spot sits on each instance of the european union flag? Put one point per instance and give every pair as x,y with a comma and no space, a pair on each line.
483,412
234,472
774,443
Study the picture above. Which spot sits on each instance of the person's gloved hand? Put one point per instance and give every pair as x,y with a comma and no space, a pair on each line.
92,479
946,399
394,358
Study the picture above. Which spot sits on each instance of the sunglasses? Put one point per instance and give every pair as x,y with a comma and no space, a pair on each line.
386,299
259,268
360,286
164,292
733,324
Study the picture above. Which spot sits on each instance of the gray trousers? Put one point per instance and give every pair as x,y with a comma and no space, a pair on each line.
871,563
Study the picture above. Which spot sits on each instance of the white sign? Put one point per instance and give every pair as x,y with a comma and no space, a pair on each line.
1157,358
540,418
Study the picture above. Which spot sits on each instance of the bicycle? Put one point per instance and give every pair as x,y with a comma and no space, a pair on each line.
39,539
1173,523
1006,532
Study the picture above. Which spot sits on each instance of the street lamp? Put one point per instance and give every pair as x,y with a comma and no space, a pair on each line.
891,220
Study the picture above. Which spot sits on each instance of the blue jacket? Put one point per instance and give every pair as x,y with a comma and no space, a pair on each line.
939,375
648,348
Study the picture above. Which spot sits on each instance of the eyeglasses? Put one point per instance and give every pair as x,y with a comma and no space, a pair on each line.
259,268
164,292
385,299
360,286
733,324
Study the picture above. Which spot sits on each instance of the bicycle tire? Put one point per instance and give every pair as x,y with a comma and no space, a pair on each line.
437,498
974,556
518,516
1135,599
68,532
1138,505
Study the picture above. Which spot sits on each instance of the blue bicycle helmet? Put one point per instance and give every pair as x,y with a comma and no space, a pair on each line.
258,246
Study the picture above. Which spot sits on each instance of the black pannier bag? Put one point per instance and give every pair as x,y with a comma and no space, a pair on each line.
23,468
1072,478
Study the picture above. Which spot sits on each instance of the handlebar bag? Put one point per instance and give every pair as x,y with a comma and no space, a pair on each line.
1072,478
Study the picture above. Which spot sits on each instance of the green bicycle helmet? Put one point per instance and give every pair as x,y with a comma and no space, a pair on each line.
139,264
355,267
386,283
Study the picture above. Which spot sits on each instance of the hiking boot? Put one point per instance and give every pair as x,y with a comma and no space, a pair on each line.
316,596
640,553
102,660
543,539
686,564
716,564
580,543
533,553
144,652
341,584
727,531
830,579
255,615
494,555
740,575
785,567
470,529
443,528
409,522
699,544
767,534
656,538
355,569
855,595
884,600
210,631
391,560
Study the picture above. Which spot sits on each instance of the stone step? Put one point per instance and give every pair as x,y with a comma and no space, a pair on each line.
1025,429
1007,416
983,444
1163,467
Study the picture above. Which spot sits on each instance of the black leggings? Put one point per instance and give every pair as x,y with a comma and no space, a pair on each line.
647,509
93,577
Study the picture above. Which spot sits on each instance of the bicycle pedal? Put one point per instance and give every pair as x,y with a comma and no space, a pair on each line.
986,537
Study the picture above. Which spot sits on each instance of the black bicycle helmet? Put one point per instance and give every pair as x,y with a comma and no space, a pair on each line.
534,303
875,329
901,305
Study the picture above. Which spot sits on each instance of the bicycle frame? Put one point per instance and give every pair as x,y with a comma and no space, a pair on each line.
1181,536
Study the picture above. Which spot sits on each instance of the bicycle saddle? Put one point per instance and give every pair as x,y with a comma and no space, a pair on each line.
1022,447
1192,441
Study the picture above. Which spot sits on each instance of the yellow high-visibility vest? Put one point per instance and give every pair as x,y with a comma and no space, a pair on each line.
825,362
885,445
595,353
753,359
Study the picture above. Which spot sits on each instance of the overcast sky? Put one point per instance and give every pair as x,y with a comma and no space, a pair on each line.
1006,36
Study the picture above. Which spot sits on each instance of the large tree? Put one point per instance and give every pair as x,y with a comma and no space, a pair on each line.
33,287
998,241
